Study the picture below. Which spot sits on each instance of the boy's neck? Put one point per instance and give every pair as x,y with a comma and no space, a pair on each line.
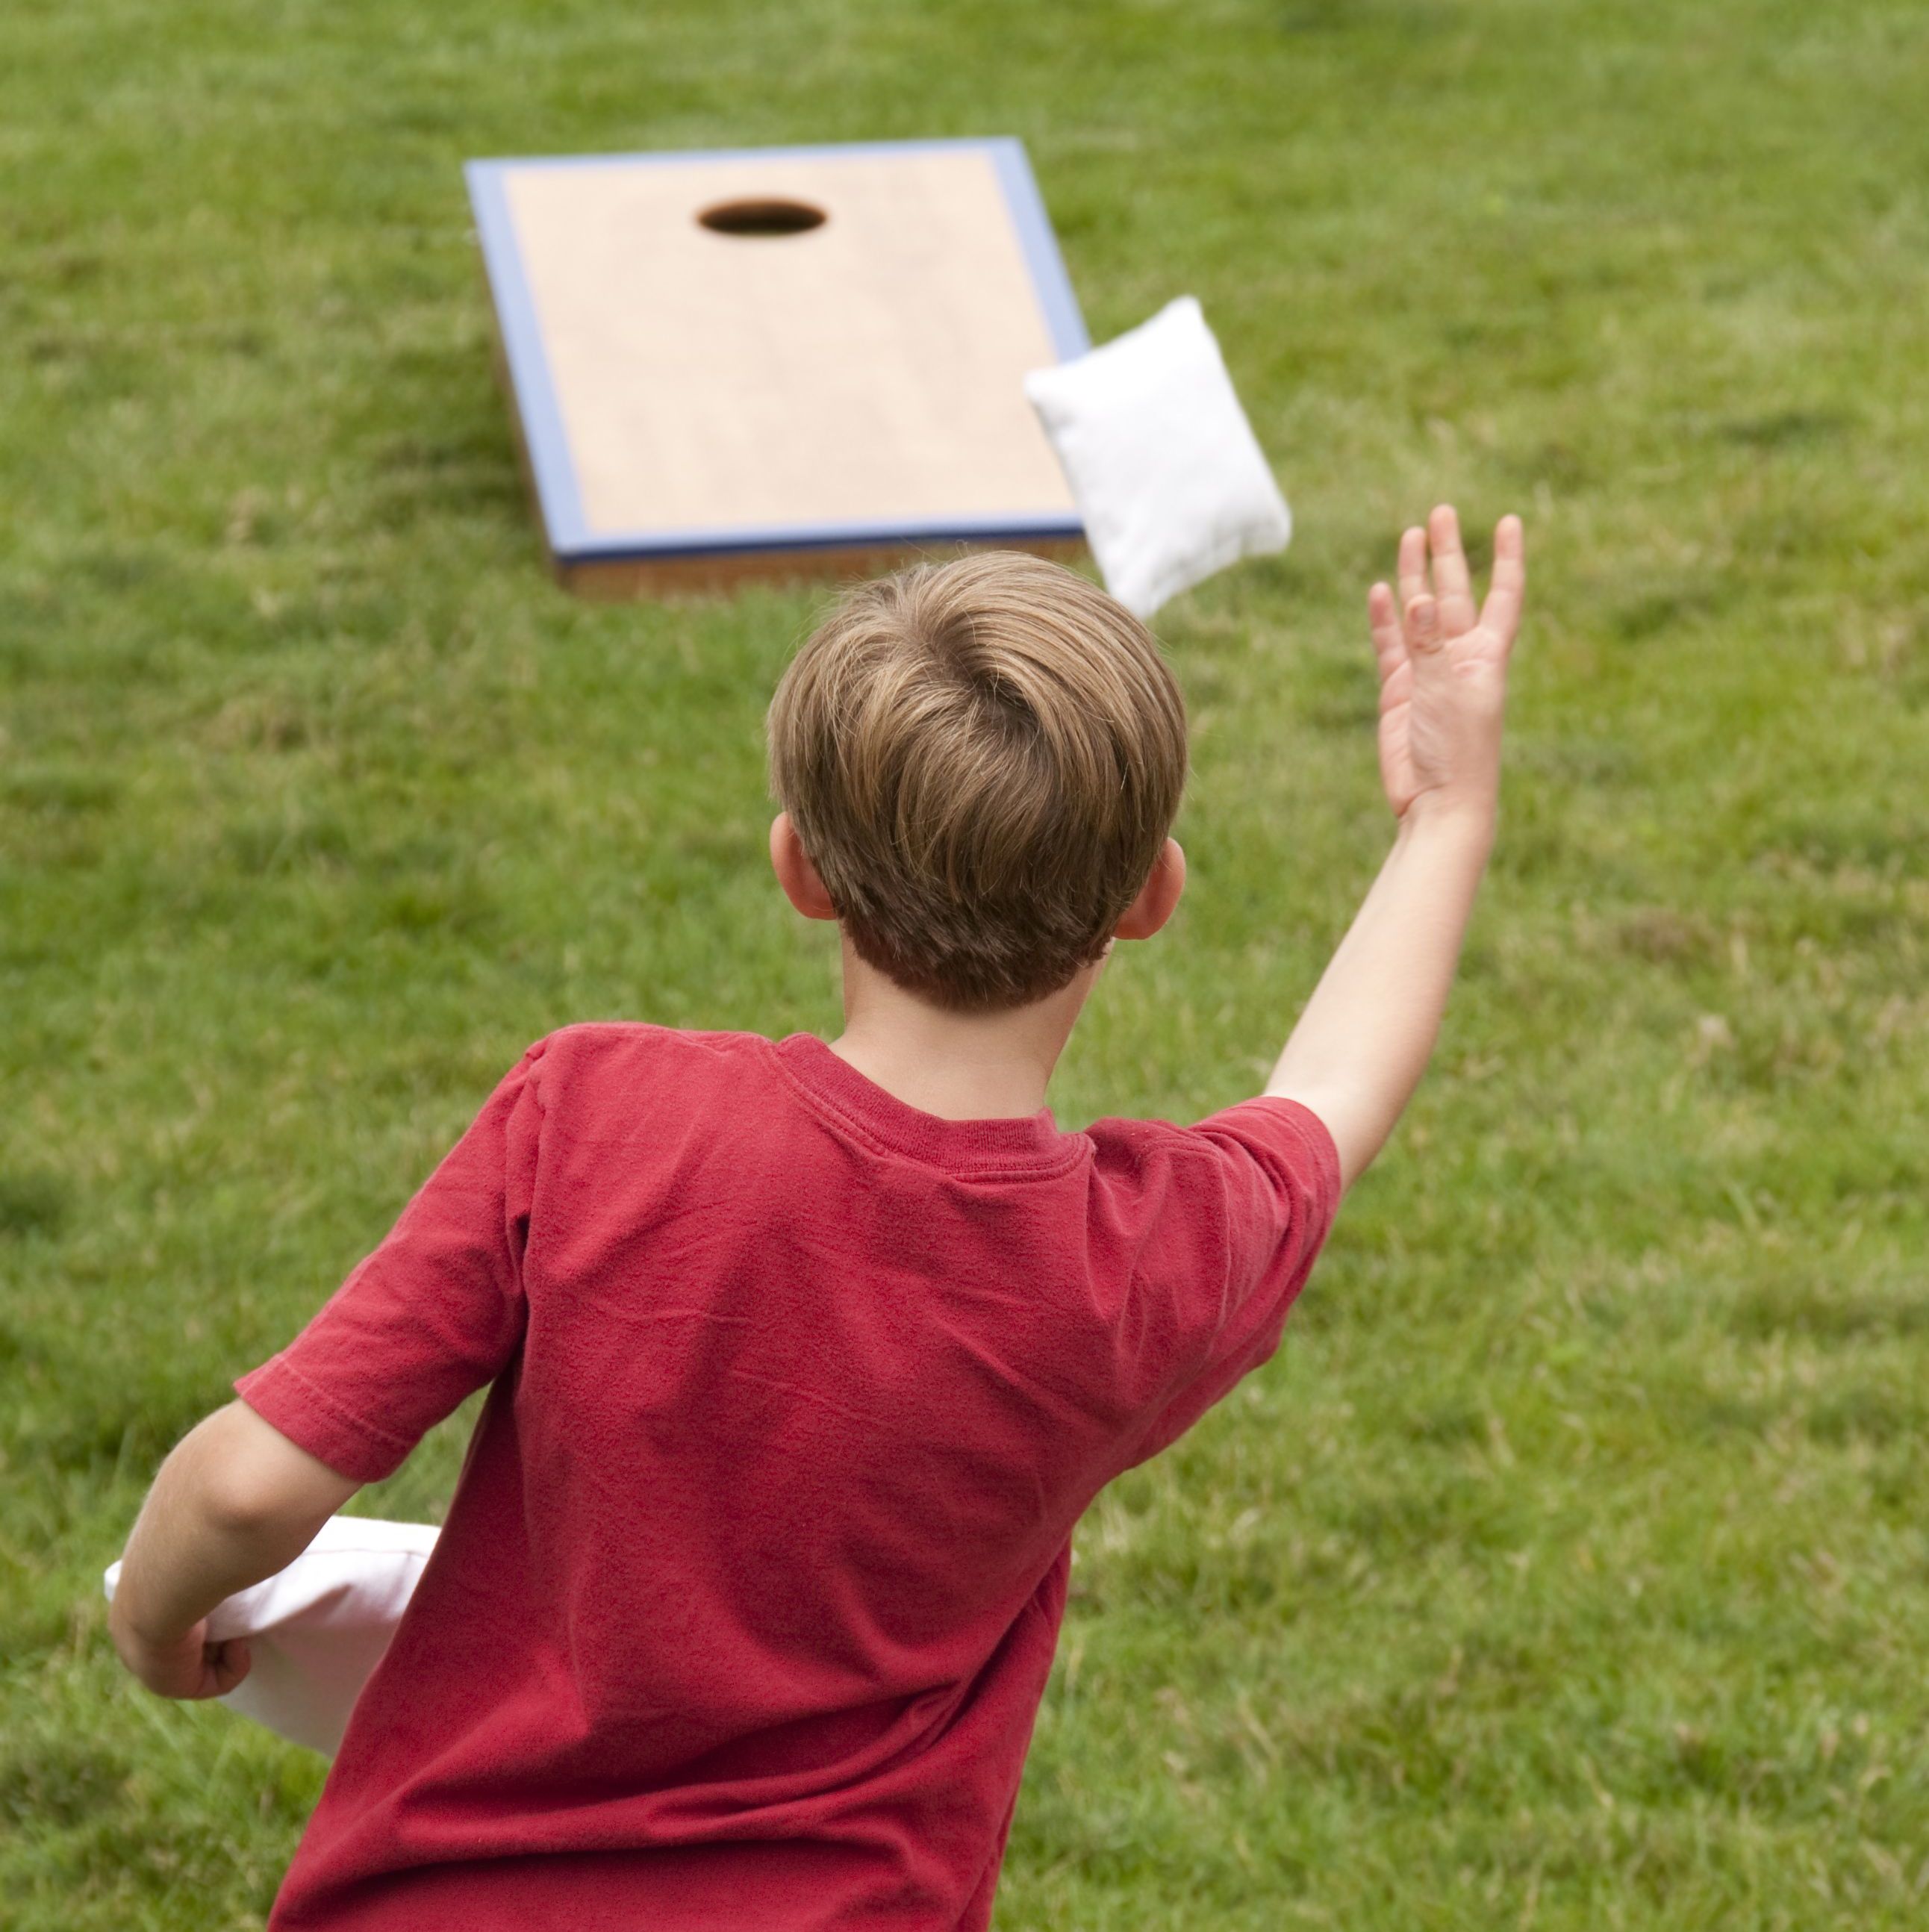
960,1066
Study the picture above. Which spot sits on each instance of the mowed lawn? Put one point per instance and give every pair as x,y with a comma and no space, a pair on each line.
1568,1568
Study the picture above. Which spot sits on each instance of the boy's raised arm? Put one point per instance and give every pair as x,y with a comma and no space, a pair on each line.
1365,1037
234,1502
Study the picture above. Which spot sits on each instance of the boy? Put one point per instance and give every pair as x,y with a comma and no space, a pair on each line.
807,1358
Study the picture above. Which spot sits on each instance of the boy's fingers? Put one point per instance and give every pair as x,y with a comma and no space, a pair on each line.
1501,613
1424,636
228,1664
1412,565
1389,640
1452,583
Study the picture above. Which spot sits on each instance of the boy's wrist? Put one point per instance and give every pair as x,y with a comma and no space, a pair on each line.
1444,813
128,1634
129,1627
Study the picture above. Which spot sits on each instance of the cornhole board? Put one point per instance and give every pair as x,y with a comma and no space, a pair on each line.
779,361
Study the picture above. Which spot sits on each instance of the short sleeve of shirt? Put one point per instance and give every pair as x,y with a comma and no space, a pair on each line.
1262,1203
436,1312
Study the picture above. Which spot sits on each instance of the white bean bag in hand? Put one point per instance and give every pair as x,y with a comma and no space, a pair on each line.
316,1630
1168,474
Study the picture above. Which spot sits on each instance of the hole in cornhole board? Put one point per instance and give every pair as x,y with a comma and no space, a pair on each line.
758,219
779,361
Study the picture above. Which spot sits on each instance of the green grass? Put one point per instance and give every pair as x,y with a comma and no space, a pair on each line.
1568,1568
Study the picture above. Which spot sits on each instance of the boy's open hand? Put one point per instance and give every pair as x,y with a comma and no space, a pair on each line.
1443,667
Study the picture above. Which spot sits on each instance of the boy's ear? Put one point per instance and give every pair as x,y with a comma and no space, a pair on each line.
795,873
1159,897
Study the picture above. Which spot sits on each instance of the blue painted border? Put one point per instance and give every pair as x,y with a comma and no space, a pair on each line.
535,393
565,528
1048,278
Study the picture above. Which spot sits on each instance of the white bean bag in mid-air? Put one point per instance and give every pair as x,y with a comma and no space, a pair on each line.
316,1630
1169,479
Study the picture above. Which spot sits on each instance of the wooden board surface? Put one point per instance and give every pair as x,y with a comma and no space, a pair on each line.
859,383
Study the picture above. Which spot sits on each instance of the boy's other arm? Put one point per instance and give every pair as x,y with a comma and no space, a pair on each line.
234,1502
1366,1034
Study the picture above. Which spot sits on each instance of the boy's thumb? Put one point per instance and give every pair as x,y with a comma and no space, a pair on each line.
1423,626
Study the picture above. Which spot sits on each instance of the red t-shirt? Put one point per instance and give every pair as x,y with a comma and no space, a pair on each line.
749,1589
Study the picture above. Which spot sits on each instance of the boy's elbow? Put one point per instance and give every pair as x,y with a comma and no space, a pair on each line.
248,1483
239,1504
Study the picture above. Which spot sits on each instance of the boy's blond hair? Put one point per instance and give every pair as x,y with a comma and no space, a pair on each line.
983,758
